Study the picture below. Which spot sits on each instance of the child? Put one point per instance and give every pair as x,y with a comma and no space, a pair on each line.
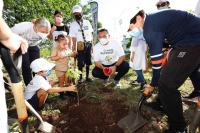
138,54
39,88
61,55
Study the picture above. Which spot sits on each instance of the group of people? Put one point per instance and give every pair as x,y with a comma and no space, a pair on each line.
178,30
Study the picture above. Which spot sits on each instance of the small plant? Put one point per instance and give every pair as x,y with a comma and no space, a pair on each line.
73,73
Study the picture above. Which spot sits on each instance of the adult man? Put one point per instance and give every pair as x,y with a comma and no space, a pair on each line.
13,42
81,34
109,53
163,4
185,43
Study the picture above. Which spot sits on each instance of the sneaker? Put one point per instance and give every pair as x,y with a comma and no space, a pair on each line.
80,81
135,82
105,81
142,86
192,95
89,80
117,83
170,130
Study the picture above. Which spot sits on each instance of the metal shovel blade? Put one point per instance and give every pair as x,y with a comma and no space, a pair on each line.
131,122
46,127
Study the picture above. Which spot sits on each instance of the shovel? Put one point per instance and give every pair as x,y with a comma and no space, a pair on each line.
12,66
133,121
44,126
16,85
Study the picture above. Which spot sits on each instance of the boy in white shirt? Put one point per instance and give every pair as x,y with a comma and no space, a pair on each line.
39,88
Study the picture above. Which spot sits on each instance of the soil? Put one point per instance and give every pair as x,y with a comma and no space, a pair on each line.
96,117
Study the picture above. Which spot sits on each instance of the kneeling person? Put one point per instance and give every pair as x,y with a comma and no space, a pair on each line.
109,54
39,88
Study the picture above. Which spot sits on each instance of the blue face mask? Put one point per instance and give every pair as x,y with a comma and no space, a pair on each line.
135,32
48,73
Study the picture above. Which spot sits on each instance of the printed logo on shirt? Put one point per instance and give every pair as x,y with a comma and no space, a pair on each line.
85,27
181,54
109,51
108,58
31,83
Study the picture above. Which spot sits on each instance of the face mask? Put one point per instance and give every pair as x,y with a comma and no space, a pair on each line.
164,7
48,73
42,35
135,32
103,41
59,20
78,17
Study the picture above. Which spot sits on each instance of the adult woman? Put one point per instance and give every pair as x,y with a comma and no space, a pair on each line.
58,28
33,32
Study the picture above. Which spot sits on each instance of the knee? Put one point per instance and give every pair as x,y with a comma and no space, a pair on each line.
125,66
94,72
42,92
51,82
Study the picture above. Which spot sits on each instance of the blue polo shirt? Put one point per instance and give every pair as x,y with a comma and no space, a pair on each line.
180,28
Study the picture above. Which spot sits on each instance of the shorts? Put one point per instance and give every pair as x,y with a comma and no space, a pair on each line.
85,56
60,73
34,102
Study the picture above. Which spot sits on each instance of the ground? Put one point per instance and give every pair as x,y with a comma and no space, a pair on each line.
99,108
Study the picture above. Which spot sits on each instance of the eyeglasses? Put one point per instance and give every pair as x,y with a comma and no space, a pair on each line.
162,5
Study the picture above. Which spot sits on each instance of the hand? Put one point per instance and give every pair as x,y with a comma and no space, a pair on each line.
131,58
72,88
149,88
113,69
53,29
104,72
75,53
15,42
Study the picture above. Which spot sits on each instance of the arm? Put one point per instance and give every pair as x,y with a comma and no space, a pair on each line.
55,58
98,65
11,40
61,89
132,56
50,36
74,44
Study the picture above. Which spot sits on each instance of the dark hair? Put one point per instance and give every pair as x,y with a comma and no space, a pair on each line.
60,37
140,13
102,30
57,12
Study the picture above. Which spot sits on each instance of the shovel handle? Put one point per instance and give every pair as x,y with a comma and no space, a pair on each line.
16,84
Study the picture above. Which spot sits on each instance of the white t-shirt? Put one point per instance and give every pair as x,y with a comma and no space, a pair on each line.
197,9
75,31
38,82
138,45
25,30
108,54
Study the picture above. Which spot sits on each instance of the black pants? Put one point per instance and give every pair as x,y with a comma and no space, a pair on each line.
85,56
122,69
182,62
32,54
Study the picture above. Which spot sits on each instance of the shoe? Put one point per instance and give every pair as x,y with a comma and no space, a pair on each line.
142,86
117,83
63,97
170,130
105,81
135,82
192,95
80,81
89,80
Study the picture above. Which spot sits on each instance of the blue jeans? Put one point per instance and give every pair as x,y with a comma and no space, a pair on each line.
122,69
140,76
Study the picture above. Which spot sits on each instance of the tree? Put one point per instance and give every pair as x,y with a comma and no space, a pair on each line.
16,11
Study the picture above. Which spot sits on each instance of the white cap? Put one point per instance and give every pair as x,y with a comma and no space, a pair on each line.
41,65
162,1
77,8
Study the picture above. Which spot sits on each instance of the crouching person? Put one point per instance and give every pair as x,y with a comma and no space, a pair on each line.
109,58
40,87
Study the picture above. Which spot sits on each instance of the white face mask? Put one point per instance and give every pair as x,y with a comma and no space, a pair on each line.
42,35
103,41
164,7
